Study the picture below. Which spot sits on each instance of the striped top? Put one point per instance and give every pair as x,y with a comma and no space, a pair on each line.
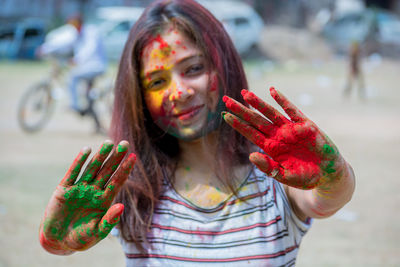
257,228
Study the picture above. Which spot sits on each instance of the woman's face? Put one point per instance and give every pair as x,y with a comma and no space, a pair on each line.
180,90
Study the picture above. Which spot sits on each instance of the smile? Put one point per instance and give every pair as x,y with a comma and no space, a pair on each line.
188,113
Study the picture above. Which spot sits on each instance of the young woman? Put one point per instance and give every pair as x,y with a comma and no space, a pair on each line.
190,193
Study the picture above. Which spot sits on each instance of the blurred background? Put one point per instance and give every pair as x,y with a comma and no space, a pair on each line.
337,60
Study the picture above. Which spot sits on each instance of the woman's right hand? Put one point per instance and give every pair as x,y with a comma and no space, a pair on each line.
78,214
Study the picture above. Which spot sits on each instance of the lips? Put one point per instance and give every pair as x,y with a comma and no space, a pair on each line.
188,113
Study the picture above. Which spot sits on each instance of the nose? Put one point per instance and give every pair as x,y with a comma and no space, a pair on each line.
179,91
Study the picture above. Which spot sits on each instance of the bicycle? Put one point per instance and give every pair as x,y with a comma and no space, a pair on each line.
37,103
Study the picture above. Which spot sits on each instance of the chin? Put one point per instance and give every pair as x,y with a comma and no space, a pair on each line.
189,134
192,134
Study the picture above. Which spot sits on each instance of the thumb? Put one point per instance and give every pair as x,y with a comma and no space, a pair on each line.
266,164
110,219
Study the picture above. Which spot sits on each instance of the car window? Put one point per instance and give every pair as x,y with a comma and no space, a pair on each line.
241,21
349,20
32,32
7,34
123,26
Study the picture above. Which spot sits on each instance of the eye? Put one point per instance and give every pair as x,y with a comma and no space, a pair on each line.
155,84
194,69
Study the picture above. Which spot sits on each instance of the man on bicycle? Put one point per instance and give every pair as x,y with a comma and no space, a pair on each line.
88,58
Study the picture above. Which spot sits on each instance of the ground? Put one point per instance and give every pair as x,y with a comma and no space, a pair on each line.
364,233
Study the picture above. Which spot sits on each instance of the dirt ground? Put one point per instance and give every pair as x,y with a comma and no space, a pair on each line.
364,233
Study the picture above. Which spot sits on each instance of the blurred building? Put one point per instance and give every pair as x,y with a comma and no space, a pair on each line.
56,10
297,12
288,12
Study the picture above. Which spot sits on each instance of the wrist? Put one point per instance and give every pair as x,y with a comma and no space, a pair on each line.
335,176
335,191
52,246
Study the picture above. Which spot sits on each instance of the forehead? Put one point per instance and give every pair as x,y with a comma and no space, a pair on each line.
166,49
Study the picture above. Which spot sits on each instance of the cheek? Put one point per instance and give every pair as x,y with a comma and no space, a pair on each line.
155,103
213,93
213,83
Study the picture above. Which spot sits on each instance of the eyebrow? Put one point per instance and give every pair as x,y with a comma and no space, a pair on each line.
181,61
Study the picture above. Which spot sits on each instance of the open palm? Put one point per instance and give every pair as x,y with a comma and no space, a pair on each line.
79,214
298,153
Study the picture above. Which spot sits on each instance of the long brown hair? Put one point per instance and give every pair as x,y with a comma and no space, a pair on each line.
157,152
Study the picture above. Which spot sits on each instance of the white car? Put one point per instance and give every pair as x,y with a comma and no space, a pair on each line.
242,23
240,20
115,23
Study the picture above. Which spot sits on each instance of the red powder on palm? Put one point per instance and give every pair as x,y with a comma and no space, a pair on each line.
292,148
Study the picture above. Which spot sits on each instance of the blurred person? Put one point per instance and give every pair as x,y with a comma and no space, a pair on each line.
355,74
88,60
183,187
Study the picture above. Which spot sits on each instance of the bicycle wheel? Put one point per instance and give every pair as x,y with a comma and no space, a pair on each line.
35,107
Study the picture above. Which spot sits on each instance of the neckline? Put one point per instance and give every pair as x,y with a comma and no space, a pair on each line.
210,209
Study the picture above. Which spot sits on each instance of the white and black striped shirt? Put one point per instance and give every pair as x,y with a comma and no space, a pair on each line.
257,228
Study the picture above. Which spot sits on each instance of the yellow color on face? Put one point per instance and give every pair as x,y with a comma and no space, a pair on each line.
177,82
155,101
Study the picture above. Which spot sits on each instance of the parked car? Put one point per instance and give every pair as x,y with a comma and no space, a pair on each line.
376,30
20,39
115,23
241,21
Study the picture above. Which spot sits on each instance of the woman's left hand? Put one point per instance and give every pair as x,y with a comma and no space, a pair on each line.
298,153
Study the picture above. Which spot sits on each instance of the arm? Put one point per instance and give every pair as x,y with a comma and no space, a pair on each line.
317,179
79,214
325,199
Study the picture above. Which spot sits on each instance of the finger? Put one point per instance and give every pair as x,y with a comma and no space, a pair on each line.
244,129
95,164
293,112
111,164
75,168
272,168
267,110
120,177
267,165
248,115
110,219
